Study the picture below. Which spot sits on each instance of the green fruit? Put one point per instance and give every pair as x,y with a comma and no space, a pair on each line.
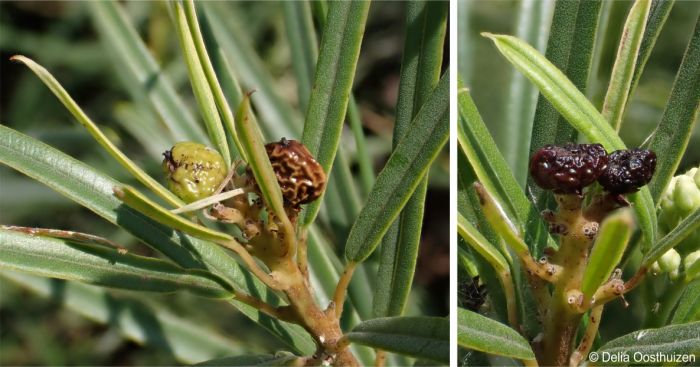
680,199
193,170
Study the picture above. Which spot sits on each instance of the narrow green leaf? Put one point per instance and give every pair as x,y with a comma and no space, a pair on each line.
335,71
142,204
142,74
212,81
104,266
277,117
493,172
200,86
580,113
402,173
613,236
498,220
188,341
688,308
533,23
625,62
670,139
420,336
477,241
669,340
258,161
684,229
466,261
658,13
299,27
277,359
483,334
570,48
94,190
95,131
420,72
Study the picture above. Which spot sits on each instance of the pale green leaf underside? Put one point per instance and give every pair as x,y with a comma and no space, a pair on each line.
100,265
669,340
486,335
419,336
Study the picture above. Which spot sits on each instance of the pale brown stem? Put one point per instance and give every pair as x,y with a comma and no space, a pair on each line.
562,320
511,300
252,264
380,358
613,289
324,327
587,341
276,312
302,257
342,287
542,269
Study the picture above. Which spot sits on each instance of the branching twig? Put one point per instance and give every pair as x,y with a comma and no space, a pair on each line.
587,341
342,287
252,264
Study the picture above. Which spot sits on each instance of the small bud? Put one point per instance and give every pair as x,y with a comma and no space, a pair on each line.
686,195
670,261
688,263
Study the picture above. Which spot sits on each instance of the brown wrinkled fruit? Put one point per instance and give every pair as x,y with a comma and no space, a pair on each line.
299,175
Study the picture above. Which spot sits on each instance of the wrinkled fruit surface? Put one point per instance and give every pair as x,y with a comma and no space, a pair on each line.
194,171
300,176
628,170
568,169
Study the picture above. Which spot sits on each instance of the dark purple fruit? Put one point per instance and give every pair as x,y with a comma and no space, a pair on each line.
628,170
568,169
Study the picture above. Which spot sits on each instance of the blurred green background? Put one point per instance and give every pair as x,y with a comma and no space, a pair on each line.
60,36
488,75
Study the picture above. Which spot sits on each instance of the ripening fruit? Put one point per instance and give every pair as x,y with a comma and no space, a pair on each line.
628,170
568,169
299,175
194,171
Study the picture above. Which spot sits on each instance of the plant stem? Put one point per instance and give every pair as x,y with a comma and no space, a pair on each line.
380,358
342,287
323,326
563,320
587,341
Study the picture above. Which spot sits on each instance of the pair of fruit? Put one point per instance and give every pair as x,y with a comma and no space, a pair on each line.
195,171
568,169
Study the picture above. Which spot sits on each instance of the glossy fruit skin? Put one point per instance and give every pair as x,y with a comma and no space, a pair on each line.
300,176
194,171
568,169
628,170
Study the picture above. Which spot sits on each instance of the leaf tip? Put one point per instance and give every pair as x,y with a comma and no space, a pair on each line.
18,58
488,35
